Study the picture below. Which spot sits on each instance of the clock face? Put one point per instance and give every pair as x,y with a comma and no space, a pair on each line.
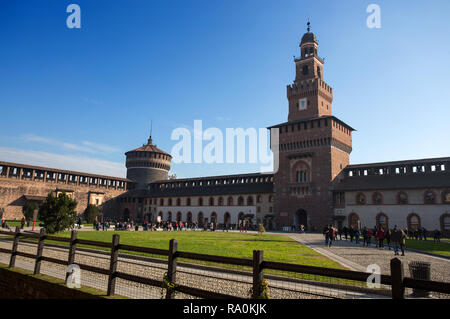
302,104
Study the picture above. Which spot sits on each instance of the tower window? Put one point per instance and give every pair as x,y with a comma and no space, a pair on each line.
305,70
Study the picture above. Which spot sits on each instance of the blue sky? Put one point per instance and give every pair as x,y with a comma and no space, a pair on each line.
80,98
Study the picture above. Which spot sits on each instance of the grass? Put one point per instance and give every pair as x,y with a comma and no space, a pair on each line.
442,248
276,247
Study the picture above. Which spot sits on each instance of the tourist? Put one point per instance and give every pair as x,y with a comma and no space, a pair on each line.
437,236
357,236
387,235
345,232
398,238
380,237
326,232
351,233
424,232
331,235
369,236
364,235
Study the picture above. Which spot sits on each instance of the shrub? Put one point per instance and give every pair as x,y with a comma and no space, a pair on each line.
90,213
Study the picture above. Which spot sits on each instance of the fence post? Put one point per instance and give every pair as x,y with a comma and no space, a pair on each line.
258,272
72,249
172,266
113,265
398,290
12,261
40,249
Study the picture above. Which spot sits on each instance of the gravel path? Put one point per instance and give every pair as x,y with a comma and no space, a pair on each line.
350,254
217,281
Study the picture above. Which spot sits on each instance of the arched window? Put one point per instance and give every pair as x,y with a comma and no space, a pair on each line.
259,199
200,201
161,202
189,217
360,199
241,201
227,218
169,216
170,202
250,201
300,172
230,201
220,201
270,199
178,202
377,198
353,220
200,219
402,198
429,197
382,221
413,221
213,217
211,201
188,201
179,217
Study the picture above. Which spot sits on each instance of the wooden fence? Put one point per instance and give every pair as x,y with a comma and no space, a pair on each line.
396,280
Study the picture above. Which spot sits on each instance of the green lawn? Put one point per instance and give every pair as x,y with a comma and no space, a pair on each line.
276,247
442,248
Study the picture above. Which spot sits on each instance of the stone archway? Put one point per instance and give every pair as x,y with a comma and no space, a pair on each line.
353,220
301,218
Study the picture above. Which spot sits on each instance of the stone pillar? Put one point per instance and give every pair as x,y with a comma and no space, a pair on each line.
32,175
7,171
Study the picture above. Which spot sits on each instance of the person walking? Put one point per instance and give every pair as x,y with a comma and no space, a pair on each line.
357,236
387,235
331,235
380,237
326,231
22,223
437,236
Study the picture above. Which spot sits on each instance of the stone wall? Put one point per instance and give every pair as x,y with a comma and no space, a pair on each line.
19,284
13,192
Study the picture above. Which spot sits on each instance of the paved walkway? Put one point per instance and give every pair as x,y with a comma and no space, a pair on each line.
356,257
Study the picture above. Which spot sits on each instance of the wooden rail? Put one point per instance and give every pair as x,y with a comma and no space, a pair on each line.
396,280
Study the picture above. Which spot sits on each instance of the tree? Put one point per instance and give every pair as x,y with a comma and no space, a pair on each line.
58,213
28,210
90,213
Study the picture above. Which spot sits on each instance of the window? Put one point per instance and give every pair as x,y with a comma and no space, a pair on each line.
200,201
230,201
250,201
220,201
413,222
377,198
402,198
211,201
429,197
360,199
305,70
240,201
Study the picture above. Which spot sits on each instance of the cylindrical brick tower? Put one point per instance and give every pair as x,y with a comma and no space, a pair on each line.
147,164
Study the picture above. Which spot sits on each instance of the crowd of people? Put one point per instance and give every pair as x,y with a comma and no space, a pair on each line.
395,238
242,226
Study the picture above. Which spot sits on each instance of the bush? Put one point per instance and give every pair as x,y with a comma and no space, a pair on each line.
90,214
58,213
261,229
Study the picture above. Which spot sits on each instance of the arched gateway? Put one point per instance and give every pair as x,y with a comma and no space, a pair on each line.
301,218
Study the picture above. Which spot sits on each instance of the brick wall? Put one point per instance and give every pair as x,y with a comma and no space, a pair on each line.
12,193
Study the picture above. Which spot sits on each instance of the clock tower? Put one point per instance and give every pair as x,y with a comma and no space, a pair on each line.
314,146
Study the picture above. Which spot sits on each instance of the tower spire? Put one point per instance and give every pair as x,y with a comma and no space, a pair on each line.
150,141
309,26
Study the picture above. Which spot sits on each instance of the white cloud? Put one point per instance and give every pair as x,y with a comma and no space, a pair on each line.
68,162
86,146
